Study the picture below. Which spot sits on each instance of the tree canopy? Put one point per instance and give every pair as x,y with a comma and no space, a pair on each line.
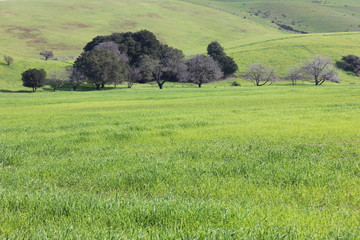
203,69
134,45
227,64
34,78
101,66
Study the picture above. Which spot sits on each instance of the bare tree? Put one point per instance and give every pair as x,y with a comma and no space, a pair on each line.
203,69
76,78
295,73
167,67
47,54
133,76
9,60
261,74
113,47
58,79
321,69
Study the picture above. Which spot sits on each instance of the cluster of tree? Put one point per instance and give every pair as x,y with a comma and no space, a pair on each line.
316,70
350,63
139,58
136,58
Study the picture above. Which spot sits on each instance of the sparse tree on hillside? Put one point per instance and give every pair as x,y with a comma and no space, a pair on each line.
34,78
261,74
321,69
203,69
9,60
47,54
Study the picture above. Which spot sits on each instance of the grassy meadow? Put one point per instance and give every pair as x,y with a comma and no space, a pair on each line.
220,162
279,162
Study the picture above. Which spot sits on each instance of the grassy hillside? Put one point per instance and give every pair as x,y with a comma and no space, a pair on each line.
65,26
226,163
305,15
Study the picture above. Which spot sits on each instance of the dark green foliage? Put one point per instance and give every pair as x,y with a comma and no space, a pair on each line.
227,64
235,84
34,78
134,45
215,50
101,66
350,63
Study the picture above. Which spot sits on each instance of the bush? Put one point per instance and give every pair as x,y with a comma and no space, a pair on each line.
235,84
9,60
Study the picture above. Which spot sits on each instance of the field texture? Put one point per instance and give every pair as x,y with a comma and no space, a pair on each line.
212,163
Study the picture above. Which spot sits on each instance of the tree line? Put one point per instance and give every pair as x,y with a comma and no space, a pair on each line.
140,57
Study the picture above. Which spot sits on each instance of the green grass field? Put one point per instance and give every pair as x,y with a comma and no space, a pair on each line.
220,162
212,163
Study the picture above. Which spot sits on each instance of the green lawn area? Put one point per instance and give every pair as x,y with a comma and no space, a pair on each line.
277,162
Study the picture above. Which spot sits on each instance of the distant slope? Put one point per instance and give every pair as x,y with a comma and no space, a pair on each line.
66,26
306,15
28,27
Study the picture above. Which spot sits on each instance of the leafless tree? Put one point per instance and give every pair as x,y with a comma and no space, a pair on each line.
261,74
58,79
295,73
321,69
76,78
47,54
113,47
203,69
9,60
133,76
167,67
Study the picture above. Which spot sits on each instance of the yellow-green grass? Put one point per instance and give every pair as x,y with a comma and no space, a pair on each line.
309,16
224,163
66,26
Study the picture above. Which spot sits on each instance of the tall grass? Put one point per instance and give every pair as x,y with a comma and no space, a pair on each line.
212,163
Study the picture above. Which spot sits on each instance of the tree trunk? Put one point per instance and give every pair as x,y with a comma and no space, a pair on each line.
103,85
199,85
160,85
97,86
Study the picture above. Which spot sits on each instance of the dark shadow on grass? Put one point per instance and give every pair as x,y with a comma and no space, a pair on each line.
9,91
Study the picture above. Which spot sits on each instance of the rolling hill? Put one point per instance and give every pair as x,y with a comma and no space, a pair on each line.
64,27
